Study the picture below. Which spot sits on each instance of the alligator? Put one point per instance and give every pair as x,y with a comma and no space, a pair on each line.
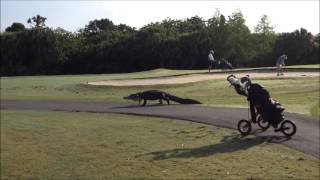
158,95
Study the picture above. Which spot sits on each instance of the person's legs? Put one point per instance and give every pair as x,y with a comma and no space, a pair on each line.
281,70
278,69
210,65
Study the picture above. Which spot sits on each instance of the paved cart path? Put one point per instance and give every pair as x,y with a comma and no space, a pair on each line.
306,139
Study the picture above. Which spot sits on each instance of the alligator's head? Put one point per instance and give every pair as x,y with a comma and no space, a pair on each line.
134,97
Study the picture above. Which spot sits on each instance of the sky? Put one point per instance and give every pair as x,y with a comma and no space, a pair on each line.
286,15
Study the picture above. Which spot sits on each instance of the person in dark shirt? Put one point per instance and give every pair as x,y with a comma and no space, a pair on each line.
280,64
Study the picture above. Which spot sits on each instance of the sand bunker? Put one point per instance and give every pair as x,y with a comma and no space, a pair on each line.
196,78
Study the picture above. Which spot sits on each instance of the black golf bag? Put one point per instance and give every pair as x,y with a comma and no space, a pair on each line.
261,102
271,112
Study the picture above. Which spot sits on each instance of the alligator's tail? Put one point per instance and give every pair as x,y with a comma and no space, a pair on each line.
181,100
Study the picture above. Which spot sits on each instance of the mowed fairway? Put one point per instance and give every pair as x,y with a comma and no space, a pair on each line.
299,95
66,145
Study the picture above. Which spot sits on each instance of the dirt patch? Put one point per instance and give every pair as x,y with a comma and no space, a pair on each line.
196,78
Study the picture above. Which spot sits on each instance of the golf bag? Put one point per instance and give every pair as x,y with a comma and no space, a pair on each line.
260,101
225,64
272,111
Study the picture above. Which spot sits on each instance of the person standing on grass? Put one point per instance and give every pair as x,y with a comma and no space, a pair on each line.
280,64
211,60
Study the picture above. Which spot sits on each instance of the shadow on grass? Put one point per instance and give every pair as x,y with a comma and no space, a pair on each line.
227,144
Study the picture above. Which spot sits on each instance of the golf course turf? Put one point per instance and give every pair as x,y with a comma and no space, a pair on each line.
66,145
299,95
80,145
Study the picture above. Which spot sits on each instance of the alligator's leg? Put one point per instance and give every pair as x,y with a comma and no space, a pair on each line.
166,98
144,102
168,101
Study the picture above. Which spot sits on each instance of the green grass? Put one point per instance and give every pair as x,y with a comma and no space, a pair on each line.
305,66
308,66
64,145
315,111
298,95
63,86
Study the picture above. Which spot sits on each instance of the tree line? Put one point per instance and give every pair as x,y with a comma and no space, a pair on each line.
104,47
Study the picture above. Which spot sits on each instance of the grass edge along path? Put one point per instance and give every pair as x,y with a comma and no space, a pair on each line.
299,95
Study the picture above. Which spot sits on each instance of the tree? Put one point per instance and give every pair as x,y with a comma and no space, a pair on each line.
298,45
316,50
124,28
103,47
217,20
217,35
97,30
192,24
37,21
15,27
98,26
238,39
264,26
263,39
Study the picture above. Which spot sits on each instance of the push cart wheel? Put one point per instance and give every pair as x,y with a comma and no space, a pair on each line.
262,123
288,128
244,127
